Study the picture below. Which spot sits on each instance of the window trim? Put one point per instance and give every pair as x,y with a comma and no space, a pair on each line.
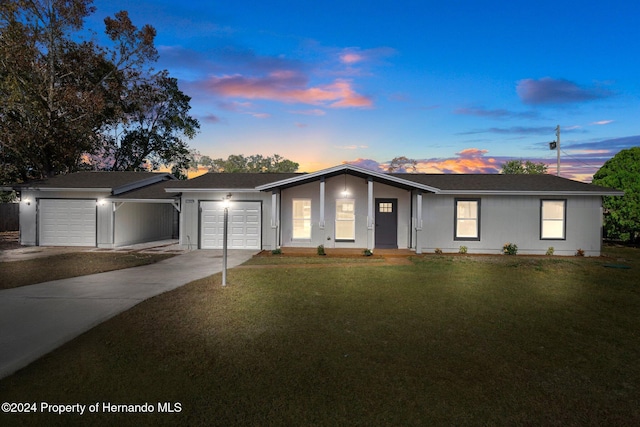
564,219
294,219
455,220
353,221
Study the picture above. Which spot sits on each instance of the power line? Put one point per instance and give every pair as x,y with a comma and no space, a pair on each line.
578,160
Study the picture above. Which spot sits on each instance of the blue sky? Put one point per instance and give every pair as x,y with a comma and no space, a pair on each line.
461,86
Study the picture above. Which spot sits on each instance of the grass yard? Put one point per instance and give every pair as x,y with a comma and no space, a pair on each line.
63,266
447,340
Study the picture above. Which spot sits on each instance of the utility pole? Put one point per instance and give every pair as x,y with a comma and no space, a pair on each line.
558,149
555,145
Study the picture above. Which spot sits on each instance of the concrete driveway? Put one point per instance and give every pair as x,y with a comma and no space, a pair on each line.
39,318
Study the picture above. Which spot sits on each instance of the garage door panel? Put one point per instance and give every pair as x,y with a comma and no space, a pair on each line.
244,225
64,222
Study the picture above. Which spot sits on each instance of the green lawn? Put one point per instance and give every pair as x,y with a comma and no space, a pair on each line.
448,340
73,264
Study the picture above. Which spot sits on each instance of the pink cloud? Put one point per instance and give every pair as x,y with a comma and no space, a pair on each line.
354,55
469,165
351,58
367,164
473,160
288,87
469,160
472,152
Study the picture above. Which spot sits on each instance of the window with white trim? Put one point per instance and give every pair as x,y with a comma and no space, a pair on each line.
467,223
553,219
345,220
301,219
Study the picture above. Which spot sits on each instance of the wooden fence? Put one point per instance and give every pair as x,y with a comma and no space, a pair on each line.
9,216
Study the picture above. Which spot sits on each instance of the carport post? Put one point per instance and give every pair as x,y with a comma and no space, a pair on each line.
224,239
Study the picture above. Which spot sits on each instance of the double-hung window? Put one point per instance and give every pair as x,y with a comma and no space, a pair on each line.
467,222
345,220
301,219
553,219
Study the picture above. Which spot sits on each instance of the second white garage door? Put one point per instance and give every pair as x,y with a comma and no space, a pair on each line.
244,225
67,222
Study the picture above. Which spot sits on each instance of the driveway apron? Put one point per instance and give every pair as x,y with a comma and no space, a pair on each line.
39,318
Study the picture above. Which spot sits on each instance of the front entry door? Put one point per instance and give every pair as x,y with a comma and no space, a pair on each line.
387,223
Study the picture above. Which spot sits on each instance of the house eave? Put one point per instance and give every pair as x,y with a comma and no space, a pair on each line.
211,190
76,190
157,177
529,193
117,199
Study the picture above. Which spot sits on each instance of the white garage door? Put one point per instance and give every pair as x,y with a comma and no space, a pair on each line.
63,222
244,225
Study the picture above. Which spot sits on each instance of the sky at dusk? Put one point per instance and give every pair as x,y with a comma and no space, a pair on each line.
460,86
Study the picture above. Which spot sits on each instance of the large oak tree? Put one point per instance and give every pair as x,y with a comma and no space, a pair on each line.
622,214
62,96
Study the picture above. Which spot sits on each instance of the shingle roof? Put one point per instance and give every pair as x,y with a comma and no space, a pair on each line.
147,185
501,183
232,180
155,191
93,180
455,183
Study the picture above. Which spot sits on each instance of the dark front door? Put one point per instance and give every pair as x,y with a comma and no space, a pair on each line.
387,223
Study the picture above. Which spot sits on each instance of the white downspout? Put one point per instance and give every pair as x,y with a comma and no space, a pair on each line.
275,221
370,215
321,224
418,222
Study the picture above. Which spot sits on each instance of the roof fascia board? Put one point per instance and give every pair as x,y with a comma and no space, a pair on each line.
211,190
531,193
157,177
88,189
115,199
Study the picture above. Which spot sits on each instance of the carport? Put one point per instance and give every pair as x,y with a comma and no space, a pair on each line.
98,209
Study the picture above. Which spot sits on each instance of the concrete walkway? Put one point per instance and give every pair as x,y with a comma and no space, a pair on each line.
39,318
